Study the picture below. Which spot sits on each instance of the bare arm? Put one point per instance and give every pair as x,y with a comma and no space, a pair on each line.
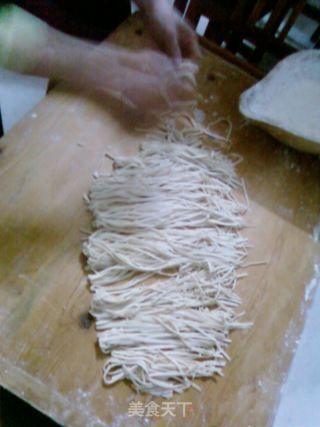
172,35
144,80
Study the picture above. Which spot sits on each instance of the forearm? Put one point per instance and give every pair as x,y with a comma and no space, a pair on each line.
28,45
63,57
22,37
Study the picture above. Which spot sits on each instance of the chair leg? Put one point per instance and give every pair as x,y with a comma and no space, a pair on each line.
181,5
215,31
316,36
1,125
193,13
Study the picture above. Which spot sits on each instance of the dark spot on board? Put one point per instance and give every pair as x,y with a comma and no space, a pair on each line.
85,320
139,31
1,150
211,77
83,262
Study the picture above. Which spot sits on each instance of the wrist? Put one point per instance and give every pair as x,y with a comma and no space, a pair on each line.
64,57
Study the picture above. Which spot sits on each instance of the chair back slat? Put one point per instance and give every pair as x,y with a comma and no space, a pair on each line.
249,27
296,11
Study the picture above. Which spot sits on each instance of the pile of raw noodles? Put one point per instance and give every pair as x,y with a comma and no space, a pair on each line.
163,259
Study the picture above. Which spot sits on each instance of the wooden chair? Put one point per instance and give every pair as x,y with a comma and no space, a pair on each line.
247,27
316,37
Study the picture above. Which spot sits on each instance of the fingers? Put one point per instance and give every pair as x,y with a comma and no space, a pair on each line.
172,47
188,41
145,81
180,42
164,32
148,93
146,61
187,71
152,93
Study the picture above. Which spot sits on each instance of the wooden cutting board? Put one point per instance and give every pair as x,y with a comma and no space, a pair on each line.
48,350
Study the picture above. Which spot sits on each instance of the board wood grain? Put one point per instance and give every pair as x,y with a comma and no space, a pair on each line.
48,351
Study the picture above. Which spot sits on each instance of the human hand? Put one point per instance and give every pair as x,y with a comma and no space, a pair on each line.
145,80
173,35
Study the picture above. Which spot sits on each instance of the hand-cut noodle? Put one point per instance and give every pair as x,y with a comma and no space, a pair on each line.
164,259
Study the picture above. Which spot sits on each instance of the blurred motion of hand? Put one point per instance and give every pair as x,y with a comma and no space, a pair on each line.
143,80
173,36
